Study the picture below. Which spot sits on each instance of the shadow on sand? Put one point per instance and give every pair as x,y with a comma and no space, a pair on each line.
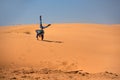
52,41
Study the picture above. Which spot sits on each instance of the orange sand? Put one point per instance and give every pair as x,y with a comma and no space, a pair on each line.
93,48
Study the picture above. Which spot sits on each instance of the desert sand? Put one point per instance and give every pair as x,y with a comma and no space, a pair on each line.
68,52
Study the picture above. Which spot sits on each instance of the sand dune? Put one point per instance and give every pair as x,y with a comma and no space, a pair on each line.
69,51
48,74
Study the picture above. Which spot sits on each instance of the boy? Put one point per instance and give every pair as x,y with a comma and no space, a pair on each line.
40,33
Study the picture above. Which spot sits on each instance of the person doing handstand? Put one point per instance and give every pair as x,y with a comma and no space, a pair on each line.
40,33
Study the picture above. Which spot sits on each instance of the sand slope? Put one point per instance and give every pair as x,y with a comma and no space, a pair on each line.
93,48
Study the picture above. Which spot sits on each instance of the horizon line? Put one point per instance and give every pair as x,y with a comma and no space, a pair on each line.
60,23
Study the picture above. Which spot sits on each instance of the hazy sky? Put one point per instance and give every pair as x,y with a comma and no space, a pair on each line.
59,11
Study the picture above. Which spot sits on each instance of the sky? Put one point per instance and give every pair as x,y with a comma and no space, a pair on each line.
14,12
